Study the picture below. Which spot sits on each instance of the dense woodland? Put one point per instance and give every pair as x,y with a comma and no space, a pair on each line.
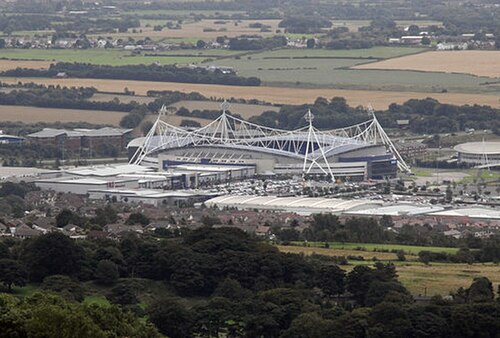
167,73
221,281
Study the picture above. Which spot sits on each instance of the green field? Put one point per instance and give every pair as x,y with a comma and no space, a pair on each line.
409,249
112,57
375,52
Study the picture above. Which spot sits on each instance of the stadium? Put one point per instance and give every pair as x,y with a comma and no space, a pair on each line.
360,152
483,154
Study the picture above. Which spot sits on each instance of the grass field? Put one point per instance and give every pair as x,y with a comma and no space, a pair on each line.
378,99
410,249
13,64
113,57
480,63
375,52
34,115
436,278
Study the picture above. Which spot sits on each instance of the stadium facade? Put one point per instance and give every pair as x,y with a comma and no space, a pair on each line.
483,154
360,152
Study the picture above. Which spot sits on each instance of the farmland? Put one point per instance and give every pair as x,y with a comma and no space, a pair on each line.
203,29
112,57
378,99
342,70
33,115
437,278
480,63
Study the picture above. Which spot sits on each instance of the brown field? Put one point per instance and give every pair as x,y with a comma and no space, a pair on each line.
34,115
195,29
480,63
433,279
378,99
244,110
13,64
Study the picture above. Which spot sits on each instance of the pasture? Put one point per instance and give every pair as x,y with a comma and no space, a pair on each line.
479,63
34,115
378,99
374,247
114,57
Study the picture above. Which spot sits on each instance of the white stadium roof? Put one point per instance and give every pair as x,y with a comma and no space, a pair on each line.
303,205
489,148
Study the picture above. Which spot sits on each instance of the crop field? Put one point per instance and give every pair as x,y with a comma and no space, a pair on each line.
433,279
378,99
340,69
33,115
113,57
244,110
354,25
480,63
204,29
13,64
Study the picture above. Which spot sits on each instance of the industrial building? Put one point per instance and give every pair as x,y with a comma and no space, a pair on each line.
356,153
479,153
77,140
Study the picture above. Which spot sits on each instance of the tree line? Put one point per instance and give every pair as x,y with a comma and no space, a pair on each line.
426,116
234,285
153,72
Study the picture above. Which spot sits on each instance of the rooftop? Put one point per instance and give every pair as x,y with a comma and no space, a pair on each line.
488,148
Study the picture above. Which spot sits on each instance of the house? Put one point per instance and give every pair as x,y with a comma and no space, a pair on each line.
263,231
44,224
23,231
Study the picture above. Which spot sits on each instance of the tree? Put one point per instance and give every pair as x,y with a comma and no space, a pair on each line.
64,286
311,43
137,218
12,273
123,294
2,43
171,318
200,44
106,272
64,218
331,280
425,41
52,254
358,282
480,291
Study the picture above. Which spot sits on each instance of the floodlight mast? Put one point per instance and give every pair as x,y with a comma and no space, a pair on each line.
378,131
